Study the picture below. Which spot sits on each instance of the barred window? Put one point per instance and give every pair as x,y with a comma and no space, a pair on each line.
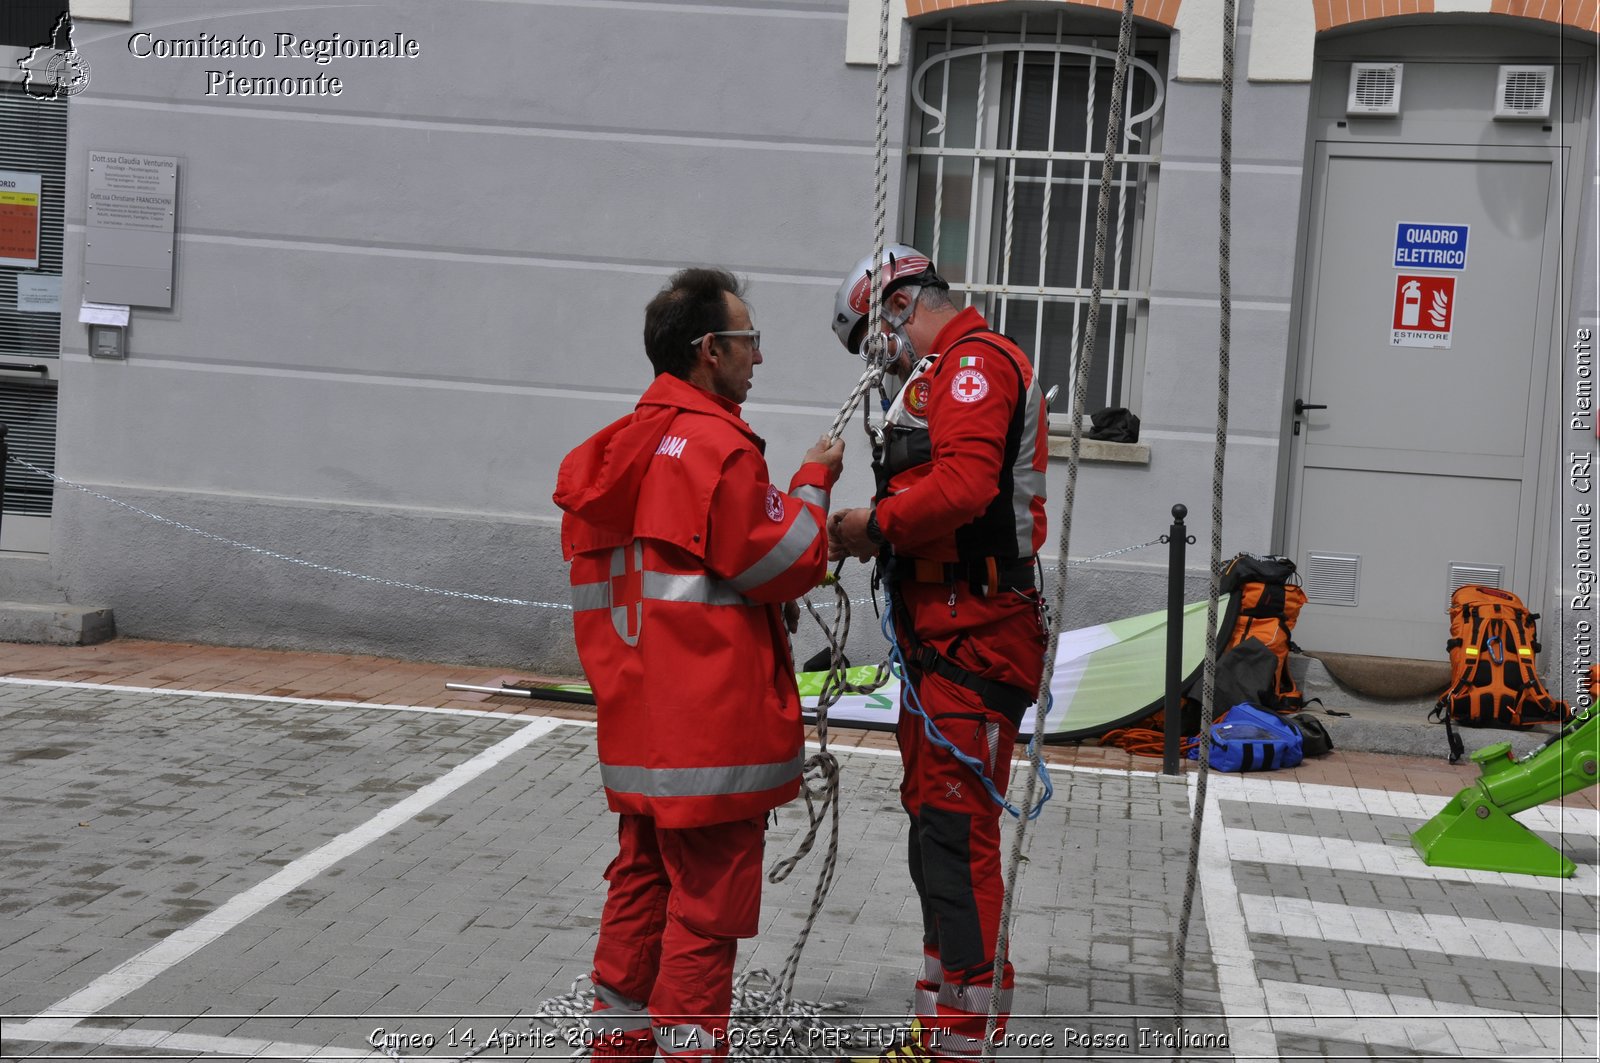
1004,158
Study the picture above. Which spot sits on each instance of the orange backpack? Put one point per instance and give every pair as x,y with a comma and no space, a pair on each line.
1268,606
1494,678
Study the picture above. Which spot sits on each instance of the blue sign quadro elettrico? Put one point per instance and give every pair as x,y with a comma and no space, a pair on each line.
1426,245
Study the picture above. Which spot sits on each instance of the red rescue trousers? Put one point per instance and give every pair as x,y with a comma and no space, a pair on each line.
680,900
954,849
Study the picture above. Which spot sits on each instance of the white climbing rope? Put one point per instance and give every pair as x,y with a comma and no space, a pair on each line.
1080,391
1224,345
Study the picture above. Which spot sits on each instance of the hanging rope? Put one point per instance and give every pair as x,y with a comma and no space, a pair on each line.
1080,394
820,776
1208,688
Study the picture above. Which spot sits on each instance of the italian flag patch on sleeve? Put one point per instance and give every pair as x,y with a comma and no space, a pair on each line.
970,363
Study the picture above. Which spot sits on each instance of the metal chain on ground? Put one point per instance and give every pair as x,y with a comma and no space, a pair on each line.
802,1031
276,556
1208,687
1080,394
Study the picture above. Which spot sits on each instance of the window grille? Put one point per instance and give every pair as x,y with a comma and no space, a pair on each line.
33,139
28,410
1003,167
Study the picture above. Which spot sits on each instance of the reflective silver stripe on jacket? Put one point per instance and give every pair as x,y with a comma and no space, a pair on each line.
817,496
1027,483
699,782
691,587
676,1040
662,587
789,549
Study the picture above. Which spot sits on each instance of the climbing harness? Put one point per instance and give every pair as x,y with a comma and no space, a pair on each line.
913,705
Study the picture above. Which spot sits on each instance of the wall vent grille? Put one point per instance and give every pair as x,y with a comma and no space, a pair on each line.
1524,92
1375,88
1333,579
1461,574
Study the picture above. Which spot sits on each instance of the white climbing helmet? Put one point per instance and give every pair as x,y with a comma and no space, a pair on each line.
902,265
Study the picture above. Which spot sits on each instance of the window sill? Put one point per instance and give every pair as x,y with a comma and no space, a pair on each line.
1101,451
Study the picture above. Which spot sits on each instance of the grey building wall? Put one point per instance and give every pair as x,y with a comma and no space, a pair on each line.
398,307
1119,505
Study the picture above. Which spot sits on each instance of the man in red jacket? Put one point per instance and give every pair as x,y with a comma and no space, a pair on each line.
683,556
956,524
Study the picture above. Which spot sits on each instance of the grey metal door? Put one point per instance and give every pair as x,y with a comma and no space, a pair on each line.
1422,472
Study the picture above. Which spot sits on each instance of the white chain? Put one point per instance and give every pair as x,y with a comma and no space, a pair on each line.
275,555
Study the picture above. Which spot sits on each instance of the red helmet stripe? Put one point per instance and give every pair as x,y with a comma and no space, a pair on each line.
907,266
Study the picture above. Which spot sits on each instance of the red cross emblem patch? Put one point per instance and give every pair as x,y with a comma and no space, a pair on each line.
969,385
627,591
774,504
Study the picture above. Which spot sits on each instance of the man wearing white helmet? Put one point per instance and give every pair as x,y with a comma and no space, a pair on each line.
956,524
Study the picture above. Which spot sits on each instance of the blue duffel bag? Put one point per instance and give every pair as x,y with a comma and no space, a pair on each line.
1252,739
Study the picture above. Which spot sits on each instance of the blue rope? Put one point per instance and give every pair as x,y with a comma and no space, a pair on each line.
913,704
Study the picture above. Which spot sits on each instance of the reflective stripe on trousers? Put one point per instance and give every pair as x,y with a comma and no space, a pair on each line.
617,1015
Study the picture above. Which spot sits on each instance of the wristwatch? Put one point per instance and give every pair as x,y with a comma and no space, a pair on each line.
875,533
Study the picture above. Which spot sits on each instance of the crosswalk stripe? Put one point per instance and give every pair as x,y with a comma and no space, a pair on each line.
1404,805
1457,936
1381,858
1452,1030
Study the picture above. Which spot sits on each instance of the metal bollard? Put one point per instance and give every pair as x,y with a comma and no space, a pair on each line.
1177,538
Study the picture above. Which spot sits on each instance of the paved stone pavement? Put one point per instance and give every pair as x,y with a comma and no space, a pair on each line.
197,876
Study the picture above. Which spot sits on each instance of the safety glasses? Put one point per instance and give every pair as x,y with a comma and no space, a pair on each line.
753,333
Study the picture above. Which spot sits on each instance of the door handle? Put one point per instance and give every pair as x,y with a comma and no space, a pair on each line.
1301,406
42,370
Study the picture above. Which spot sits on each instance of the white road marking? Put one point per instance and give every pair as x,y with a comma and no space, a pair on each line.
1451,1030
1401,804
135,973
1243,1001
1382,858
1457,936
223,695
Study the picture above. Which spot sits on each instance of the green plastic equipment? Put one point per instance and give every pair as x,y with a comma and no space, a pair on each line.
1475,830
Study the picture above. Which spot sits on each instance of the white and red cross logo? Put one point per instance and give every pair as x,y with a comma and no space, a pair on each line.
968,385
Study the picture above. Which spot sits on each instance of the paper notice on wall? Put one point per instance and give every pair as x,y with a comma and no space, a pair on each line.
38,293
103,314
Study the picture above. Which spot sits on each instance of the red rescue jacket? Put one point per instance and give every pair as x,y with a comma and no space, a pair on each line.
682,554
972,486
